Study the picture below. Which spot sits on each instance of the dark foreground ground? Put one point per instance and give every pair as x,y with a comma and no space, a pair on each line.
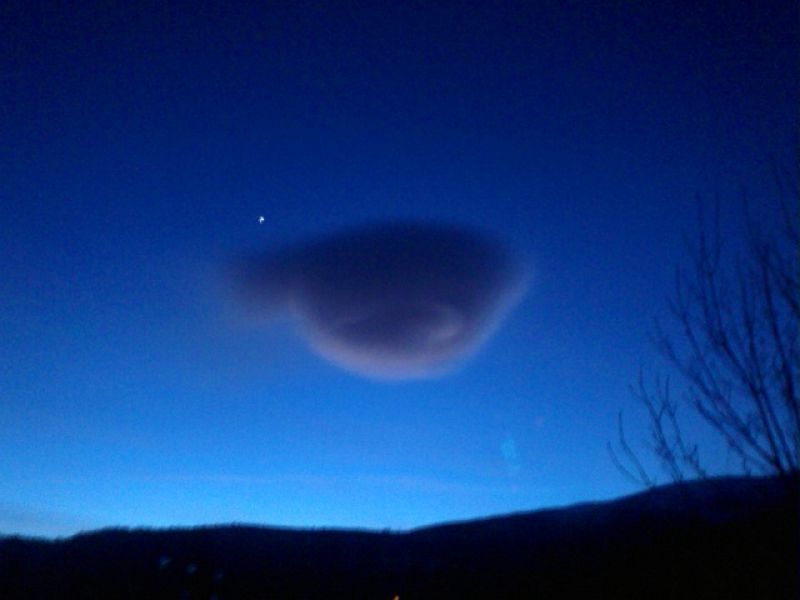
726,538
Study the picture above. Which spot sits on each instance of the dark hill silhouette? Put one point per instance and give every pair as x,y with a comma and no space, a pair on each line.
721,538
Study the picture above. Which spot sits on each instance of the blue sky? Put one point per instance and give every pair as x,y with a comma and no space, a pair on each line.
141,144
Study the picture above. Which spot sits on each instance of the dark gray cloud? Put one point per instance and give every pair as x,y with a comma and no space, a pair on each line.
396,300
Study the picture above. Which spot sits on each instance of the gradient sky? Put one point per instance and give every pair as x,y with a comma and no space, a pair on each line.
141,142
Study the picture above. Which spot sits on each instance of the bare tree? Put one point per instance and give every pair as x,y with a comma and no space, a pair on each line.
735,347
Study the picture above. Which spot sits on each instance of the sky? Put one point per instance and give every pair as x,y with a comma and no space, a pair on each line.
148,147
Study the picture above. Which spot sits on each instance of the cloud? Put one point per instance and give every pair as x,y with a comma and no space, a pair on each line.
392,301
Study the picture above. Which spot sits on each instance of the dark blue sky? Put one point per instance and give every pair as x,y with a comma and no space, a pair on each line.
140,144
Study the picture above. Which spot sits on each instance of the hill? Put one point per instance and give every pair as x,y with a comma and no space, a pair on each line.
720,538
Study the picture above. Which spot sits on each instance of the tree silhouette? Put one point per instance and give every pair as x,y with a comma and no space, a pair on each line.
735,347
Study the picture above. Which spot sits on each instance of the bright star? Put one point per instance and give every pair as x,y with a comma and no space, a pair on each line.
260,219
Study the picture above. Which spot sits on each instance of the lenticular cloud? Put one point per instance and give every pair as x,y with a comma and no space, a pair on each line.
393,301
